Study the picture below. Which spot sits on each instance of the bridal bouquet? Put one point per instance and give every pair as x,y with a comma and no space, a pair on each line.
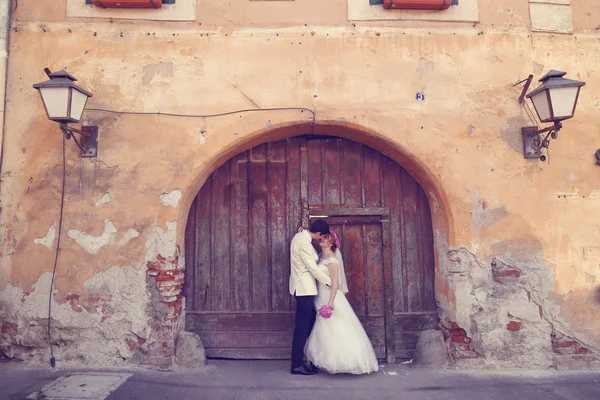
325,311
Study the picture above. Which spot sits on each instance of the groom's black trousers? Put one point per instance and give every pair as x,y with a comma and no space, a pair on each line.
305,320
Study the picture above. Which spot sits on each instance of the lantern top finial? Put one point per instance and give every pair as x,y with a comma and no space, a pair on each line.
62,74
552,74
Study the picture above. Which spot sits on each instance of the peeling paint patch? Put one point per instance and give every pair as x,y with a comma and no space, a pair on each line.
511,135
130,234
471,130
538,68
425,67
47,240
202,136
172,198
483,216
93,244
160,70
103,200
162,242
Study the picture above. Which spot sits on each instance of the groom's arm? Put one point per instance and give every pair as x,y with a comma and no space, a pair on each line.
307,257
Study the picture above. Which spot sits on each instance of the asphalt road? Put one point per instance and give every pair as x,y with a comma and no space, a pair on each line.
254,380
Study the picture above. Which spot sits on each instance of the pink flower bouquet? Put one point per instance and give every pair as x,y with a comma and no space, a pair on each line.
325,311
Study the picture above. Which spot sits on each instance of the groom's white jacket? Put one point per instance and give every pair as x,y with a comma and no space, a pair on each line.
304,268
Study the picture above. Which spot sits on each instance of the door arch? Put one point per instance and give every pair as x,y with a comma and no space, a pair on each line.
241,223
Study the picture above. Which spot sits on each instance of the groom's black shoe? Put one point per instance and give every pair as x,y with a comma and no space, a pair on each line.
302,370
311,367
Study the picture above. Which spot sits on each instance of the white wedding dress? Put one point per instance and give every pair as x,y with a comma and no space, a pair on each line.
339,344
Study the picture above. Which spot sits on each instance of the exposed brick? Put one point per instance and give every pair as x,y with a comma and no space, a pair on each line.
131,343
169,277
460,339
504,273
164,278
567,346
514,326
9,328
459,342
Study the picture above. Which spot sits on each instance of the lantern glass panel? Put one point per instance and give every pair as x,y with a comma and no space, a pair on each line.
56,100
563,101
78,100
540,102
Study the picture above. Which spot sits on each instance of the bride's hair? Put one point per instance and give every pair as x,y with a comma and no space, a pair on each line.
329,236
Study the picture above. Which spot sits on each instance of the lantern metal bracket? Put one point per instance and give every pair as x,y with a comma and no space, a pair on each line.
534,140
88,141
525,88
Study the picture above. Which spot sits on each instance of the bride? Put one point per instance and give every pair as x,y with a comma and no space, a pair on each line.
338,344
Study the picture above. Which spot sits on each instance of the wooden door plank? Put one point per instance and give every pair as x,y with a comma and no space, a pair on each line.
353,220
207,322
249,339
410,238
189,288
348,212
241,353
314,172
353,253
293,187
297,201
221,262
375,293
391,200
404,354
331,173
247,321
277,228
351,171
389,293
427,256
240,243
259,193
304,200
417,321
372,178
203,249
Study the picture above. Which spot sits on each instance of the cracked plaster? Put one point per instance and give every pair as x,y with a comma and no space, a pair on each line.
47,240
172,198
103,200
93,244
91,328
484,308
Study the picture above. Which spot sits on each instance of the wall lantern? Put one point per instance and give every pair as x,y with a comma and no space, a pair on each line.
554,101
64,102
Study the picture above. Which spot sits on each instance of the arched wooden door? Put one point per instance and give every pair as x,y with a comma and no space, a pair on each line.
241,223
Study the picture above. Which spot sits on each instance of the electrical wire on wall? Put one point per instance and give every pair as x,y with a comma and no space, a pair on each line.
64,176
211,115
60,219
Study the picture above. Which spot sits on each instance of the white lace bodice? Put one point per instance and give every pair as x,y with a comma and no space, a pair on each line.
324,264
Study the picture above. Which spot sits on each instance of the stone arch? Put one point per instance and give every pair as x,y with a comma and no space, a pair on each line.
442,218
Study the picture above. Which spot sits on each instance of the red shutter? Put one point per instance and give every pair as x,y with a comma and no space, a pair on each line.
417,4
127,3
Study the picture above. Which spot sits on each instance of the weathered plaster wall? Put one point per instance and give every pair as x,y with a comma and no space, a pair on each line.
119,274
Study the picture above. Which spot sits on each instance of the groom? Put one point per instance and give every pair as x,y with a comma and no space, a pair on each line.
303,286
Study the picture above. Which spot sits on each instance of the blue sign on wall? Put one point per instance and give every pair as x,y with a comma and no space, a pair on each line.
420,96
